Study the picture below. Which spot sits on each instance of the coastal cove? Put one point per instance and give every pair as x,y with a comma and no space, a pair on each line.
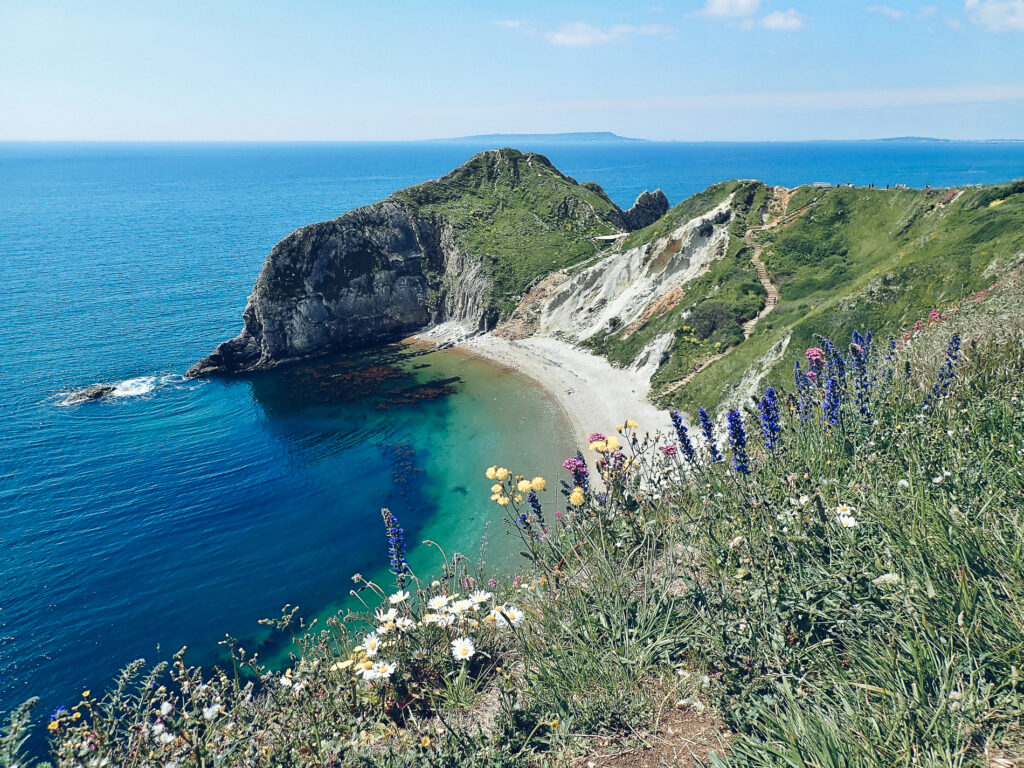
178,510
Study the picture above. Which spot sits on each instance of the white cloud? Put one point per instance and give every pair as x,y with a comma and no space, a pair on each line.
578,34
731,7
997,15
885,10
783,20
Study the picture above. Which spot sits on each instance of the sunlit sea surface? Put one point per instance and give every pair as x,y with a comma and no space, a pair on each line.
176,511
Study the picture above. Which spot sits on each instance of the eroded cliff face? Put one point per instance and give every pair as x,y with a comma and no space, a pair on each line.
419,258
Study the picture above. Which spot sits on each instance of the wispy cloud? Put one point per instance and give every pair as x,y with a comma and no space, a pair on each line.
578,34
784,21
997,15
885,10
731,7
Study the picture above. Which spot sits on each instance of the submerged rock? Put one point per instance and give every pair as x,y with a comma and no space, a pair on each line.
95,392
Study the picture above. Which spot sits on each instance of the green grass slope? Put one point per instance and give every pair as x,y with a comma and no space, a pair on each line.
869,258
518,215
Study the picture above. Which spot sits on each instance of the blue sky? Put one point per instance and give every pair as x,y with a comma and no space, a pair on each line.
688,70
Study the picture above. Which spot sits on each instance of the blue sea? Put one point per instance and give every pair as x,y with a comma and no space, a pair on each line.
177,511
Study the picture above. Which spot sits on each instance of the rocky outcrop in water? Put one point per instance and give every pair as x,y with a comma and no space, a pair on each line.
463,248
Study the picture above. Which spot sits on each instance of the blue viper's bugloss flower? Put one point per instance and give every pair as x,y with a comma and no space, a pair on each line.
830,402
946,373
738,441
769,411
709,435
859,348
396,544
537,511
683,436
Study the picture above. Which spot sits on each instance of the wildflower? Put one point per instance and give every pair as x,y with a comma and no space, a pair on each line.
595,437
683,436
946,373
463,649
738,440
480,596
815,355
399,597
384,617
437,602
491,472
166,738
286,682
425,741
492,583
845,509
404,623
669,450
736,543
371,644
632,424
507,615
420,654
576,498
396,545
537,509
612,443
709,435
384,670
211,712
503,501
496,488
461,606
847,521
598,445
886,580
769,411
165,708
903,483
934,315
577,465
830,402
501,474
524,486
538,484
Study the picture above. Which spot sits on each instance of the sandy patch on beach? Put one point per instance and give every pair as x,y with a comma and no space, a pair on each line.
594,395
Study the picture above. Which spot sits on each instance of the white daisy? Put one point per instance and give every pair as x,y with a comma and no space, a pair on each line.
404,624
399,597
437,603
847,521
371,644
463,649
507,615
382,670
480,596
461,606
420,654
383,617
845,509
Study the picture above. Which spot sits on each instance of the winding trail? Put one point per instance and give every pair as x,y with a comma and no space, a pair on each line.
780,201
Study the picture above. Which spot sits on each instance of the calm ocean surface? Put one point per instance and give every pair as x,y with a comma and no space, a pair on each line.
178,511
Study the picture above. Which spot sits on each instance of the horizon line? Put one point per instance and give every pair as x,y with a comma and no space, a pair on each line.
476,139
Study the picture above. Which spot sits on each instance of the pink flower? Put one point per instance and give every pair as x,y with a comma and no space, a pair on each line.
934,314
670,450
858,348
917,326
492,583
812,375
815,355
596,437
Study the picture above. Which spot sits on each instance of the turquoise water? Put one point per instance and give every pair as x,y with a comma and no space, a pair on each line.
178,511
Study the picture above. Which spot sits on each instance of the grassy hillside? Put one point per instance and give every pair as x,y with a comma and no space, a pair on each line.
518,215
836,581
869,258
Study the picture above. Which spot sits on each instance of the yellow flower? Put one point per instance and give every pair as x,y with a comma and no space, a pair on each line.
496,495
501,474
519,497
85,694
613,443
54,725
618,428
523,486
576,497
598,445
491,472
425,741
502,501
632,424
496,488
539,484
